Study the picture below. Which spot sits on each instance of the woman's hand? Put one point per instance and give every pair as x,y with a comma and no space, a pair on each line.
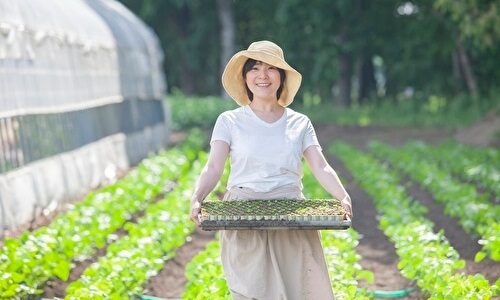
327,177
346,204
195,211
209,177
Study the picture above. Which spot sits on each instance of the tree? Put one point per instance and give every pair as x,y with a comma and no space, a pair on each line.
189,35
227,33
433,47
476,22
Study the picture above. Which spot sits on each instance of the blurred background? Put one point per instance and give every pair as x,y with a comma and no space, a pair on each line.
350,52
397,63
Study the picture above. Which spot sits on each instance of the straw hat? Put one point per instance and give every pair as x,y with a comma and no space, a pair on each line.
265,51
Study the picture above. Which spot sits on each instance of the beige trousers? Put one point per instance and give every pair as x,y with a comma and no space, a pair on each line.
274,264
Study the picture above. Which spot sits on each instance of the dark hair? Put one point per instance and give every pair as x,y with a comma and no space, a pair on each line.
249,65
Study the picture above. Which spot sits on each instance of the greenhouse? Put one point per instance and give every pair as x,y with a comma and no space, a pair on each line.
81,101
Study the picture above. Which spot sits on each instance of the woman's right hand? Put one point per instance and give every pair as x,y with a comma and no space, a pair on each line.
209,177
195,211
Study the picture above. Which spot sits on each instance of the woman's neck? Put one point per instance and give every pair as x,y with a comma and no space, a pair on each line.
265,105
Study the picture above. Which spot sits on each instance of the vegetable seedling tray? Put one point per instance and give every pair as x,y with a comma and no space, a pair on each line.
311,214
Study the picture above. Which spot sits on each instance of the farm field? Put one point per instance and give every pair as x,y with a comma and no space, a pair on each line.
391,202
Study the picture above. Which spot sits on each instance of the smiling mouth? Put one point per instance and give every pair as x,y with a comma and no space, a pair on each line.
263,84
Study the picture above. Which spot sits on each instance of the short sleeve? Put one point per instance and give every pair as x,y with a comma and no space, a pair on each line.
310,138
221,131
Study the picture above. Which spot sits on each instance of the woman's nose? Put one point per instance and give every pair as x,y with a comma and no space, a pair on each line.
263,74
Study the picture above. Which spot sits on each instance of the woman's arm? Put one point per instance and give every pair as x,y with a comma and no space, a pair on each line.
327,177
209,177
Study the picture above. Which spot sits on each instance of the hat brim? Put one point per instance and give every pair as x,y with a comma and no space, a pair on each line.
234,83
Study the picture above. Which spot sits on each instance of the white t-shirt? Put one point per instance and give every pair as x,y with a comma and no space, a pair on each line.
264,156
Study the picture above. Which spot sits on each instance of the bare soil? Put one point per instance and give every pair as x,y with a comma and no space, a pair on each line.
486,132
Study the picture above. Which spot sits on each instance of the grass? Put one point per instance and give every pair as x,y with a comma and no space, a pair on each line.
425,112
429,113
191,111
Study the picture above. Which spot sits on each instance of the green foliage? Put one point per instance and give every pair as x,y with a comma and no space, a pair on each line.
477,20
311,100
425,256
205,275
27,262
204,272
188,111
416,48
475,212
154,238
339,248
419,110
432,111
479,166
188,33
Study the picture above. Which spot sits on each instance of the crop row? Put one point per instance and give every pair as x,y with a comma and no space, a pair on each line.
205,278
477,215
132,259
425,256
28,261
480,166
339,247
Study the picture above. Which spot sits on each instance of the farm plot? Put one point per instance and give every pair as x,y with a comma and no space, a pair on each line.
34,260
425,256
154,225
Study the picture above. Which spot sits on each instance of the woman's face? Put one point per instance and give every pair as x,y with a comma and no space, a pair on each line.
263,80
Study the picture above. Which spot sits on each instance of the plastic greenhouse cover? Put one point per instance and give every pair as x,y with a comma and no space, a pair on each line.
60,56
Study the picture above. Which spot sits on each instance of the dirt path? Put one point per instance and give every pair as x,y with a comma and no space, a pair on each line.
170,281
377,251
462,242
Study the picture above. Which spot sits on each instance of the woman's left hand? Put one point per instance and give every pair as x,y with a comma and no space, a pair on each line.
346,204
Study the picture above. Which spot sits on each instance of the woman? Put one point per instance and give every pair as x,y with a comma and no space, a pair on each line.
266,142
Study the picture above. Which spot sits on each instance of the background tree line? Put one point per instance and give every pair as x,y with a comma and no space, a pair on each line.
348,51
